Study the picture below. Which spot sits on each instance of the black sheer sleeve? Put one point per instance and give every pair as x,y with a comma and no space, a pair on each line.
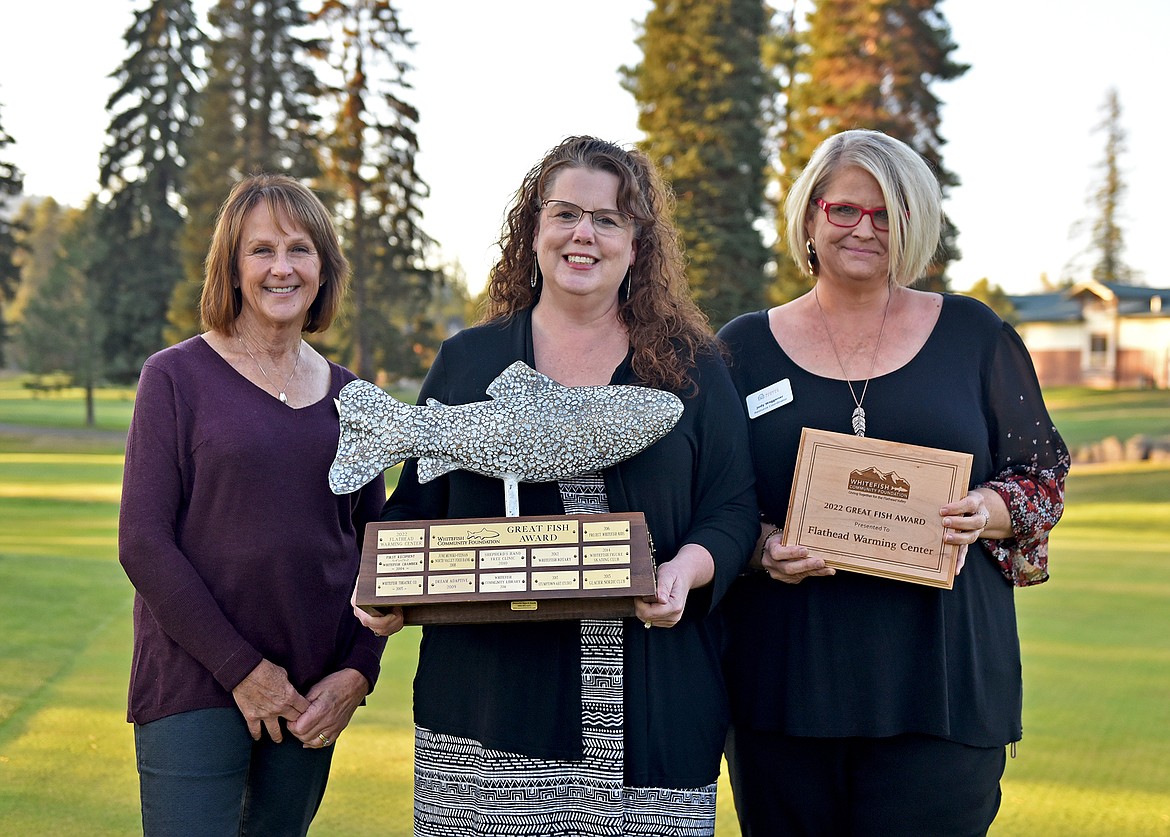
1031,462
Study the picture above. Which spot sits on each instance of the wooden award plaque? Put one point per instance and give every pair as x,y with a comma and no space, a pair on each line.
507,569
871,506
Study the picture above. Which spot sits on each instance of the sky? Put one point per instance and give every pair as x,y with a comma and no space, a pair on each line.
1019,124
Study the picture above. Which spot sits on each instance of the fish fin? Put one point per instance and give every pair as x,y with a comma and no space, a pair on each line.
344,479
430,467
370,437
520,379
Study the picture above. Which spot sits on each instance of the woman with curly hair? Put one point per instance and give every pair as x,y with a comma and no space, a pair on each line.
589,726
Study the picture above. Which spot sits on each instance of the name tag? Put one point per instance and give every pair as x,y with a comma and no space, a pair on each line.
769,398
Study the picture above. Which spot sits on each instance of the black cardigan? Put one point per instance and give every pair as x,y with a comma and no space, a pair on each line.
517,687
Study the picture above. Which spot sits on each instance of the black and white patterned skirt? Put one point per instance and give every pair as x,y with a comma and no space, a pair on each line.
463,788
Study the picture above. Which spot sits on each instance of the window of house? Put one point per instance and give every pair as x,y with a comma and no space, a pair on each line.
1098,349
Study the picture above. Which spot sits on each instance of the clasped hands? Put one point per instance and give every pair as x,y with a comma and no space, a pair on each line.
266,696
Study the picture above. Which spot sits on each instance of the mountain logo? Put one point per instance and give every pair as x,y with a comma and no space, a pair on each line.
874,482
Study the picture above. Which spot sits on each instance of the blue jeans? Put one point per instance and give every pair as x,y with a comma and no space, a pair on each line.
201,774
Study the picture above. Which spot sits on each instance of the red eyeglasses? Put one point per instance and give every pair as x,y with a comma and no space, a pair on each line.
849,215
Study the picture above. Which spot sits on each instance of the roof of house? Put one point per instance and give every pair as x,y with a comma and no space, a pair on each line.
1054,307
1066,305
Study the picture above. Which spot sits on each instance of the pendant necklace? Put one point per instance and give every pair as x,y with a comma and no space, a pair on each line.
859,412
280,390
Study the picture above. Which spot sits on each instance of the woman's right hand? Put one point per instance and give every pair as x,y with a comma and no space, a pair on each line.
386,625
790,564
265,696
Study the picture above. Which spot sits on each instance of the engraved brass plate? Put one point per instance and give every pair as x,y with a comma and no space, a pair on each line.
507,569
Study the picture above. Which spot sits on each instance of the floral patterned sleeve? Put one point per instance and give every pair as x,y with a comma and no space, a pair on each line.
1031,463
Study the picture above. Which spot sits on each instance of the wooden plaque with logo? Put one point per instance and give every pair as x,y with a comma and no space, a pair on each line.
871,505
507,569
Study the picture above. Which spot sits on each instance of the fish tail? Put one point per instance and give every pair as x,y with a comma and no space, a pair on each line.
373,435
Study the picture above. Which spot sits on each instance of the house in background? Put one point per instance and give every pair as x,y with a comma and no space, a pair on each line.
1104,335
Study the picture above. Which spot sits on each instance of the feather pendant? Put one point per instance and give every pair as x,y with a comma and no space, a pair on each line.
859,421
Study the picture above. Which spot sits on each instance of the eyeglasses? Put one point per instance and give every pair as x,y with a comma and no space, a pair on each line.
849,215
568,215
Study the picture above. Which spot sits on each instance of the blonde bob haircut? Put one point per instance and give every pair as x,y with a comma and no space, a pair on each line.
221,301
906,181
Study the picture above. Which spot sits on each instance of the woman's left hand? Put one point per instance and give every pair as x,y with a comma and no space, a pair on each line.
332,702
385,625
969,519
692,567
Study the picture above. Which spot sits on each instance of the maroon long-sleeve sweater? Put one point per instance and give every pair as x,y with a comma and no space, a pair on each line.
237,549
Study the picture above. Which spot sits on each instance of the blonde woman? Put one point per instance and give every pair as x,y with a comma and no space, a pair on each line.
864,705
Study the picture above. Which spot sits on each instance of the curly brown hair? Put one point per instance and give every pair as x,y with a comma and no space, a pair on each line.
665,326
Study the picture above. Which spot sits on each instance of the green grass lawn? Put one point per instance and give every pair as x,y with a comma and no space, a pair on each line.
1095,759
1088,415
64,408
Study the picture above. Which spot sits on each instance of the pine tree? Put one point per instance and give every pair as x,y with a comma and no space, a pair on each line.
780,53
995,297
254,114
11,186
38,224
1106,238
142,168
871,64
370,171
60,330
701,90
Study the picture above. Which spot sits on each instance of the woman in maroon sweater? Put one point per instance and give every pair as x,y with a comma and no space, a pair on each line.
248,662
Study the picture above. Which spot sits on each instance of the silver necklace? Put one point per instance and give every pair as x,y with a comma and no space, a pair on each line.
280,390
859,412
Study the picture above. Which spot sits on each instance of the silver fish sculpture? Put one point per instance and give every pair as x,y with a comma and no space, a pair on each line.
533,430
